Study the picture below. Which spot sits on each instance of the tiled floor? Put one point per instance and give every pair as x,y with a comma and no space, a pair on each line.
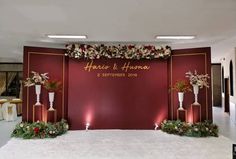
5,130
226,126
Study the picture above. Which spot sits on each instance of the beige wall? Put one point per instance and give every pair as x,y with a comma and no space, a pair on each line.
11,67
225,63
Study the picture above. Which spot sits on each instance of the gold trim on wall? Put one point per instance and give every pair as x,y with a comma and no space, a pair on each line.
171,83
171,76
63,80
206,89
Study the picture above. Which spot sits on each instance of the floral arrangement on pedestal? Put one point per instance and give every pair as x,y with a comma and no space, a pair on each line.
84,51
181,86
52,86
201,129
40,130
36,79
197,81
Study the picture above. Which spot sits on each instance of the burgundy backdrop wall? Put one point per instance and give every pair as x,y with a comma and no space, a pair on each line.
185,60
134,102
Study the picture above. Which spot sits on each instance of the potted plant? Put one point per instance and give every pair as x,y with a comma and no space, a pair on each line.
197,81
36,79
181,86
52,86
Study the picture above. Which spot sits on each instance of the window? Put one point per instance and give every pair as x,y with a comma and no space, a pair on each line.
10,83
231,78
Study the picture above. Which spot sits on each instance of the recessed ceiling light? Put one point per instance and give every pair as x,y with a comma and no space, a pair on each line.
175,37
67,36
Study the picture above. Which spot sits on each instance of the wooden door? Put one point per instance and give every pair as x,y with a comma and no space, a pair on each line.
226,95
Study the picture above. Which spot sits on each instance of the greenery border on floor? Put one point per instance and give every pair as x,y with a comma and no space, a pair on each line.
40,130
201,129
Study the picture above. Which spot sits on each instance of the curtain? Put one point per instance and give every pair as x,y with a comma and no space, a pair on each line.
10,77
21,89
2,82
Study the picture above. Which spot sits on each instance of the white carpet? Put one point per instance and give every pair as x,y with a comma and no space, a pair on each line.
118,144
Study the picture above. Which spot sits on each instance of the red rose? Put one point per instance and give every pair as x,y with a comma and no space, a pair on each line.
130,47
36,130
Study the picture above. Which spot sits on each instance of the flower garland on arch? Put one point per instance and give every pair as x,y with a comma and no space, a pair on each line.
84,51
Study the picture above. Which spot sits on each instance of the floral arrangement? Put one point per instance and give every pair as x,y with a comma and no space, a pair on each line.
182,86
36,78
53,85
196,79
201,129
40,130
83,51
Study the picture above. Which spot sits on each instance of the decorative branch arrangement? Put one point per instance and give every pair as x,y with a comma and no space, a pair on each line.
53,85
84,51
182,86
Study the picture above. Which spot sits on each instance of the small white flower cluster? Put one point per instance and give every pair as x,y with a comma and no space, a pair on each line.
196,79
36,78
52,132
21,125
67,126
80,51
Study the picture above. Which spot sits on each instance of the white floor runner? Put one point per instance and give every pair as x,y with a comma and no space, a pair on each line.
118,144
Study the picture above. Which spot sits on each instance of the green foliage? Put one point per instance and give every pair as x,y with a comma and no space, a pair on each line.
53,85
182,86
40,130
201,129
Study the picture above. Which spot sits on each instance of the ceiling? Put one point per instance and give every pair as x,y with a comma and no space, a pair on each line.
26,22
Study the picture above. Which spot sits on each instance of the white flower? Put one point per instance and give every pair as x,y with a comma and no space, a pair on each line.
21,125
120,51
200,80
36,79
